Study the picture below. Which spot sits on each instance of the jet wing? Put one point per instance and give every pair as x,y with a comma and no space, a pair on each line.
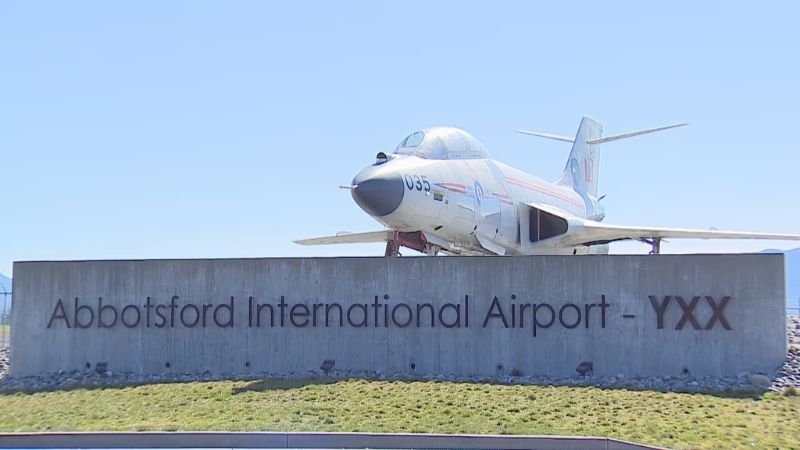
592,232
350,238
579,231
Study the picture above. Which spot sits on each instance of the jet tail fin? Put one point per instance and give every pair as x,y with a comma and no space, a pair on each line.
583,164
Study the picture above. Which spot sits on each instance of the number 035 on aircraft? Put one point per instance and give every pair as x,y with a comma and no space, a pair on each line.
441,192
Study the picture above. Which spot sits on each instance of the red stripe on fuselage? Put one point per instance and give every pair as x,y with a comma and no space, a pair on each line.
454,187
533,187
502,197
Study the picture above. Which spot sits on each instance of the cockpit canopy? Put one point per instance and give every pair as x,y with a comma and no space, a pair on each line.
442,143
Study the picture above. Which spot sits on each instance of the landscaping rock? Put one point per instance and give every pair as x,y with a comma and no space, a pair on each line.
786,378
759,380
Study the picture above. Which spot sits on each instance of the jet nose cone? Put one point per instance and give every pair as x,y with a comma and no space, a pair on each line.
378,194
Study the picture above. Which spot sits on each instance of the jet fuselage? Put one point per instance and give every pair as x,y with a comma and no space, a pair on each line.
460,205
440,190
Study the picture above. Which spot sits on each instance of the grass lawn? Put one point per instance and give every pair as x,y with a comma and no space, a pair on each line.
668,419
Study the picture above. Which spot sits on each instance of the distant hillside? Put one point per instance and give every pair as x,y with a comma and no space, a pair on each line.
792,276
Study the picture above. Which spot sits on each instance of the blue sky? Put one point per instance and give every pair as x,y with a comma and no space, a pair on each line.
221,129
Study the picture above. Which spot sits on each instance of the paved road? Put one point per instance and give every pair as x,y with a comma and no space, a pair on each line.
166,440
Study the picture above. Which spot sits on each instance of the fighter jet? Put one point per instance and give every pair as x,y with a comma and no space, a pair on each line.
439,191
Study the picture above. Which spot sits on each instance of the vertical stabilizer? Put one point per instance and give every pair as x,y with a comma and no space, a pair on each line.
583,165
581,171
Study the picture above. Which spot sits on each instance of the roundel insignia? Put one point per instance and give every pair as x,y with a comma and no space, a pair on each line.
478,190
573,166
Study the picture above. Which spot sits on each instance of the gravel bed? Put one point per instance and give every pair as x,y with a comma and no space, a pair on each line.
786,378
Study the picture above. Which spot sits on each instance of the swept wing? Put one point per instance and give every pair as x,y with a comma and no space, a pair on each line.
578,231
350,238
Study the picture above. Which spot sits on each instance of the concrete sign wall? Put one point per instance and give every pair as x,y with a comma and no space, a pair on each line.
541,315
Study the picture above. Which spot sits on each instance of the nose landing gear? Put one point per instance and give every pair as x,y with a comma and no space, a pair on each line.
392,248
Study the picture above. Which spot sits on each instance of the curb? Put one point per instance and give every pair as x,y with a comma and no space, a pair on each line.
306,440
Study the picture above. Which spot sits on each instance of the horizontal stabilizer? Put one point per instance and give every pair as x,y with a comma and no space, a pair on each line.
601,139
350,238
546,135
615,137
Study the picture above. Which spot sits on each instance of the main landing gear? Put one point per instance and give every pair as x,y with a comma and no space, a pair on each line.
655,244
415,241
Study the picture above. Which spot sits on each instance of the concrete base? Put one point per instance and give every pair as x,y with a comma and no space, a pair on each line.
638,315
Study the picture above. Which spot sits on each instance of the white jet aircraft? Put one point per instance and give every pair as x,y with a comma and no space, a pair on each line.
440,191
